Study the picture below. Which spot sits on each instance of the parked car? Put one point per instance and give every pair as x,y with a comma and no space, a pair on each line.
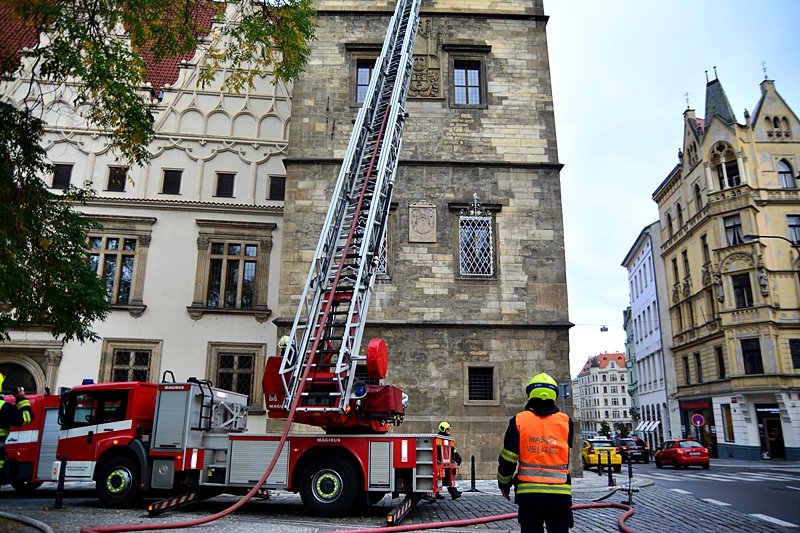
682,453
636,449
596,452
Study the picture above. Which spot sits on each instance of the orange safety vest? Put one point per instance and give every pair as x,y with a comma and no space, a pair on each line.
543,448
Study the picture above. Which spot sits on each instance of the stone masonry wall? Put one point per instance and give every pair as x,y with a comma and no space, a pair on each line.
436,323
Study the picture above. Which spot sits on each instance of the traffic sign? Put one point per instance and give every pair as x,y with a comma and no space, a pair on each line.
698,420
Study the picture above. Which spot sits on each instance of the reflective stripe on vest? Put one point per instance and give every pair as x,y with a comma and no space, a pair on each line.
544,488
543,449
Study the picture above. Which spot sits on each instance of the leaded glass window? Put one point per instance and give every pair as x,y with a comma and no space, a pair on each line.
476,242
113,258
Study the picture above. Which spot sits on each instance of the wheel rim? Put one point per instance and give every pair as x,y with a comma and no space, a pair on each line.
119,481
327,485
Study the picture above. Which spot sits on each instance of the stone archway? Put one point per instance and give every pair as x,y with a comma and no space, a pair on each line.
17,376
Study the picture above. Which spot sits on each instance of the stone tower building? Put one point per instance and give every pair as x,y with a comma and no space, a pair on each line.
472,295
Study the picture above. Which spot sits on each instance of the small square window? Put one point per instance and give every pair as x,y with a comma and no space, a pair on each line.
277,188
225,184
116,179
172,182
481,383
467,85
62,175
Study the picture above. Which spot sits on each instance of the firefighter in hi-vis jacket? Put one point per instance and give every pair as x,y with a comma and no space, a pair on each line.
11,415
535,459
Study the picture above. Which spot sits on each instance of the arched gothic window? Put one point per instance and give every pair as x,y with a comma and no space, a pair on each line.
786,175
698,198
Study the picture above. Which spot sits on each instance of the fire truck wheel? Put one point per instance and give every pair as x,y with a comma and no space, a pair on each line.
25,486
118,482
329,486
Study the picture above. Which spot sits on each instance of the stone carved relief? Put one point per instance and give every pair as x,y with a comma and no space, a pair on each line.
422,222
426,73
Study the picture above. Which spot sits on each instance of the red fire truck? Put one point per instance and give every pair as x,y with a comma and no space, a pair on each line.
131,438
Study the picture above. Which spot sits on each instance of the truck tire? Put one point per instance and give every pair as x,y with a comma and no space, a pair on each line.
25,486
119,482
329,486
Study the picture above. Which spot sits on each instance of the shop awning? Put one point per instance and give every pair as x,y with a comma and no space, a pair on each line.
640,426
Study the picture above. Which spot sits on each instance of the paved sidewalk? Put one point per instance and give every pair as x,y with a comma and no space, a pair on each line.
656,509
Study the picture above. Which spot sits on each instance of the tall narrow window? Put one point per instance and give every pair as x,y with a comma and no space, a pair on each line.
751,356
704,245
364,68
113,259
794,350
277,188
698,365
225,182
698,198
742,293
62,175
116,179
172,182
231,275
793,222
467,83
670,229
686,374
685,257
733,230
679,212
675,272
786,175
727,422
476,242
720,362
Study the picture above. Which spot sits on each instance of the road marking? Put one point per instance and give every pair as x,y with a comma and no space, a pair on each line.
715,477
774,520
680,491
716,502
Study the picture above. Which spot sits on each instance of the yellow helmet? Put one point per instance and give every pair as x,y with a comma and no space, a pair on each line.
443,426
2,379
542,386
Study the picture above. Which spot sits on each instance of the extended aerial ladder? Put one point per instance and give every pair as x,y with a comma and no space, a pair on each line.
318,366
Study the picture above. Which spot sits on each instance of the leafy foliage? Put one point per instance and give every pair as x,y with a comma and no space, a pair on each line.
100,43
95,51
45,278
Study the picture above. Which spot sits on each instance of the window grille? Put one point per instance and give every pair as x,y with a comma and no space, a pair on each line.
131,365
481,383
235,372
476,241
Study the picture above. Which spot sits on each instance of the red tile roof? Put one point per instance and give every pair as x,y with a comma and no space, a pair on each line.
16,35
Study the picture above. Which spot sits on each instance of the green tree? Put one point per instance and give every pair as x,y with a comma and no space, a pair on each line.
605,429
103,45
45,278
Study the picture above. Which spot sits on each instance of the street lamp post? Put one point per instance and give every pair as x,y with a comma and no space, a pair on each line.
754,237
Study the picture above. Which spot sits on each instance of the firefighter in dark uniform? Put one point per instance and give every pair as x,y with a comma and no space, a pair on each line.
11,415
444,430
535,459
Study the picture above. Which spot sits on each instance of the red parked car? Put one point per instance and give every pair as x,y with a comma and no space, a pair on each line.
682,453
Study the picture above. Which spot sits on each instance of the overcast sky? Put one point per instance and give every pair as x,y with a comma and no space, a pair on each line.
621,70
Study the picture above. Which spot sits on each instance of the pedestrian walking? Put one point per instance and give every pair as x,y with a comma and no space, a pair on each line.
18,414
535,460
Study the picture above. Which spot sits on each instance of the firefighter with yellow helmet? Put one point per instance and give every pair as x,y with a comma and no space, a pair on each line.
444,430
535,460
11,415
